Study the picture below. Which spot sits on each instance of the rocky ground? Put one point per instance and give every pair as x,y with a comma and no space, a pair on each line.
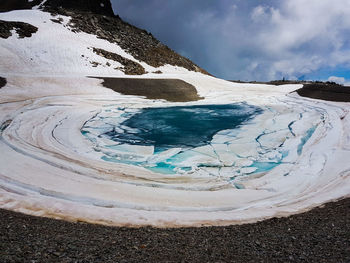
22,29
102,7
2,82
129,67
313,89
174,90
137,42
326,91
97,18
321,235
9,5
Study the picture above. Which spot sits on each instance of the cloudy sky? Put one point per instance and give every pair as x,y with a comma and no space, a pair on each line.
252,39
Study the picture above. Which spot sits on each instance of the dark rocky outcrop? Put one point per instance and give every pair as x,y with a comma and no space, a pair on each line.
130,67
58,20
3,82
9,5
22,29
330,91
102,7
325,91
137,42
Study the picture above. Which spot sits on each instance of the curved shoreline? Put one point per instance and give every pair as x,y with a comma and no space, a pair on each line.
51,169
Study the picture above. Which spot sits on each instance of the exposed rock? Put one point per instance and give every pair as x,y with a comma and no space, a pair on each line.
96,17
58,20
325,91
22,29
130,67
9,5
137,42
2,82
94,64
102,7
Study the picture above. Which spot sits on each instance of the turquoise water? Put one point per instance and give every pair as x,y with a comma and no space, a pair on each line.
304,139
174,137
264,166
182,127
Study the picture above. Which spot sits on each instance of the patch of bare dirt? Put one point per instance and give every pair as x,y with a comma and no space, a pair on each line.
174,90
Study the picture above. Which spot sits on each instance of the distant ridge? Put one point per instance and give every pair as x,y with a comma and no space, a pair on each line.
102,7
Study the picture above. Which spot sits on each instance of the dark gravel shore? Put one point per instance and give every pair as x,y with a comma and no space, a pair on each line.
321,235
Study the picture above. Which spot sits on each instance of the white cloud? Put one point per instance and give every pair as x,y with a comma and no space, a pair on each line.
248,40
293,38
304,35
339,80
259,13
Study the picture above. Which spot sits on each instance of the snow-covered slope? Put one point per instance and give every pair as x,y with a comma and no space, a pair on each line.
55,49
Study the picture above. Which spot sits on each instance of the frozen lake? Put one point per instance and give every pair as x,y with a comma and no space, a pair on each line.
226,141
242,154
181,127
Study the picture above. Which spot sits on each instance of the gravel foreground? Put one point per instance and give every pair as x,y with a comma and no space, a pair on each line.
321,235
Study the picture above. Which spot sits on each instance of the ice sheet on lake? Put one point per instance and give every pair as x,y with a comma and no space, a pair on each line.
255,146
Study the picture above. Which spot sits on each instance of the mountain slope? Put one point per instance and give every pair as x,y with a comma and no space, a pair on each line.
102,7
9,5
81,37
